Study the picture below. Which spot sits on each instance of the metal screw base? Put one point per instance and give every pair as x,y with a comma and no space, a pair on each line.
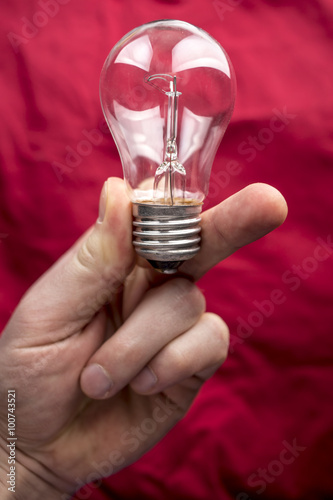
166,235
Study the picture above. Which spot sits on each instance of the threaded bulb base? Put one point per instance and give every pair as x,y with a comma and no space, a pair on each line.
166,235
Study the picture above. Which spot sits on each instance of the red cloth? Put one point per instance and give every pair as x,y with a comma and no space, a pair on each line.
275,390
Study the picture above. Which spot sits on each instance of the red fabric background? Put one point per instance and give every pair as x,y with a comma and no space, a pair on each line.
276,386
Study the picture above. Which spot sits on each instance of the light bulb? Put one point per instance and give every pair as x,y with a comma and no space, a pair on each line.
167,91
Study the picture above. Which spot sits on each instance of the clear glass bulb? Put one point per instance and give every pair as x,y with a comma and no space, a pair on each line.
167,91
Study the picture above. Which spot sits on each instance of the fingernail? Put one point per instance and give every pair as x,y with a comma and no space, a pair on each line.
96,382
145,380
102,202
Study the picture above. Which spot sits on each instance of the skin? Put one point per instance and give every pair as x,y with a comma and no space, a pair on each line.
100,311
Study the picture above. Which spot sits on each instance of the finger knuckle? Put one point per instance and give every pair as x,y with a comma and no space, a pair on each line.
86,255
187,295
177,357
220,335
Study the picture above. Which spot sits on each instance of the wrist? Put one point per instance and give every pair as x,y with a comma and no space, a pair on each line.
19,483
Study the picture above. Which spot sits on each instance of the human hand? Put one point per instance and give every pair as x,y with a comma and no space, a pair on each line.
73,427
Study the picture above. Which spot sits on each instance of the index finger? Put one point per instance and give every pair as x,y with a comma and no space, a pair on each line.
239,220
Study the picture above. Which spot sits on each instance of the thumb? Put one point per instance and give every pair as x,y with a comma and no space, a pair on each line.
70,293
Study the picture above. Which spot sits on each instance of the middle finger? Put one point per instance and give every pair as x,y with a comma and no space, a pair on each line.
164,313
